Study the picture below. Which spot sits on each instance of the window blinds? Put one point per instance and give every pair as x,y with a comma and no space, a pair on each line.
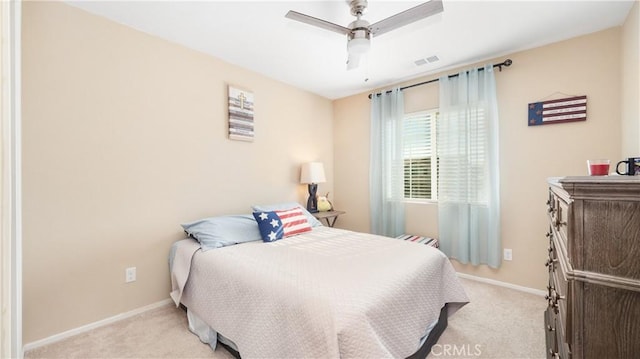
420,161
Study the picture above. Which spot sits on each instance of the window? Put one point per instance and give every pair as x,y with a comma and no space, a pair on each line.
419,153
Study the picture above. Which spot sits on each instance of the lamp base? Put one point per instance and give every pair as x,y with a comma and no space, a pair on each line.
312,202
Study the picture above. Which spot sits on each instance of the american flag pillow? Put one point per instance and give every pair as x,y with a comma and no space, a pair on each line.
280,224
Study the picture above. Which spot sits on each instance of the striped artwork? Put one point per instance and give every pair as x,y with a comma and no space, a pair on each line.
418,239
557,111
240,114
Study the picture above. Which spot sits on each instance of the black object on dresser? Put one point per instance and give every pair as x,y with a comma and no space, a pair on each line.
594,267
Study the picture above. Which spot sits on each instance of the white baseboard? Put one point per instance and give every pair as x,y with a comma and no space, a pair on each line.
88,327
539,292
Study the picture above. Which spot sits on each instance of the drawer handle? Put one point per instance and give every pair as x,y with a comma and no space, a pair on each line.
550,328
553,301
550,299
557,297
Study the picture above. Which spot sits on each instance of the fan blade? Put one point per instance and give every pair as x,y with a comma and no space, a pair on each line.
406,17
294,15
353,61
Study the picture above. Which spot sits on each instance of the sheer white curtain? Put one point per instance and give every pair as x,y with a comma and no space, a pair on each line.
386,170
469,189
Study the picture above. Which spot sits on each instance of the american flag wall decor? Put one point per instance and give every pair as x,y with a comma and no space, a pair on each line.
570,109
240,114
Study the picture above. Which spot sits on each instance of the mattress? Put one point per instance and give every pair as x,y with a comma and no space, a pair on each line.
325,293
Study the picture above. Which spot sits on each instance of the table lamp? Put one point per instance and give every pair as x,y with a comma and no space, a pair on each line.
312,173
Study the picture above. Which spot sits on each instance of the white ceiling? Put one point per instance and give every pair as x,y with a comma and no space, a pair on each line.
256,35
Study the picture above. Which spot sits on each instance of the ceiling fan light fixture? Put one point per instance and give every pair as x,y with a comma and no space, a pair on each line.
359,32
359,42
358,46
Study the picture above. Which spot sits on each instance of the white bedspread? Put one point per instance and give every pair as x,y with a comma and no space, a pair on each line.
328,293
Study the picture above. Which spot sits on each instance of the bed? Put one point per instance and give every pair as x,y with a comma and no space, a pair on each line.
322,293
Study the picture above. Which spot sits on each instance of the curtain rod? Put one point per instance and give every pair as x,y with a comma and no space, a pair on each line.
505,63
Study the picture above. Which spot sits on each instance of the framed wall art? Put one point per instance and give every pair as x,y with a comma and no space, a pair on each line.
570,109
240,114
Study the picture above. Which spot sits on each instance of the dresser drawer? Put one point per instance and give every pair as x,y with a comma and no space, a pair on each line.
552,207
559,296
554,336
562,348
558,210
562,336
558,290
552,250
550,333
561,219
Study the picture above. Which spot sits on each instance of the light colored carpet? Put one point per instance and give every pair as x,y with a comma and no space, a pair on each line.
158,333
498,323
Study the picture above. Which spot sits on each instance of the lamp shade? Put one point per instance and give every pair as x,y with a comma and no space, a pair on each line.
312,172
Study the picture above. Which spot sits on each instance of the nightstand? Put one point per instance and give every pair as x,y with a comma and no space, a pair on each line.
329,216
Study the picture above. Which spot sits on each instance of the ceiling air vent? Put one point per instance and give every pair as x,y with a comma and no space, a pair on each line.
421,62
433,58
427,60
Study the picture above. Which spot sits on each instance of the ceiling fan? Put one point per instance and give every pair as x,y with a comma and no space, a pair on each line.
359,32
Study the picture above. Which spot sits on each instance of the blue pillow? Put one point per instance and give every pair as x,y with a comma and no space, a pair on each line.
280,224
216,232
313,221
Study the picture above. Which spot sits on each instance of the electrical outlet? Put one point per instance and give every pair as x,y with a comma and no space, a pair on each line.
507,254
130,275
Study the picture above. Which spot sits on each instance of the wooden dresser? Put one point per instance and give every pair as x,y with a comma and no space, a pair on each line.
594,268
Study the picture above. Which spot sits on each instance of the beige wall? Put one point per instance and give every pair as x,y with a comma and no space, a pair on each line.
124,139
631,83
587,65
